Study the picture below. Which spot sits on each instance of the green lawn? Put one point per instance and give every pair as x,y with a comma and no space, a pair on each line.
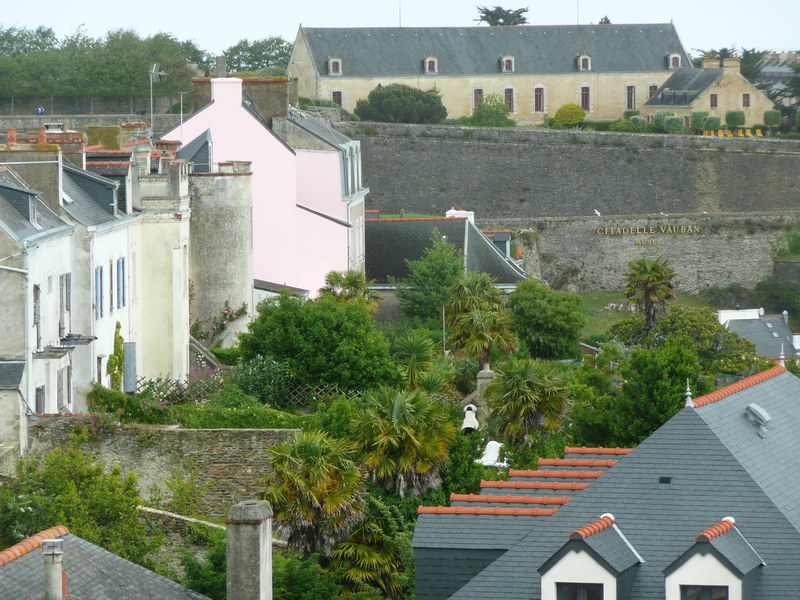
408,215
599,318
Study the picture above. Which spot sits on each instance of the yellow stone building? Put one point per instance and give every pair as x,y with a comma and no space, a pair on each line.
607,69
716,88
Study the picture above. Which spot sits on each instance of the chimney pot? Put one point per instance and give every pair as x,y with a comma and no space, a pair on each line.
249,549
53,569
222,66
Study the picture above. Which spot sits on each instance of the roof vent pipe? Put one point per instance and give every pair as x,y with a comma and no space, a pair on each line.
53,570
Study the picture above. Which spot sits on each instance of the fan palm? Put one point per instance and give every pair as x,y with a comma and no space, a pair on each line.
648,285
350,286
404,438
414,352
472,291
316,491
527,395
476,332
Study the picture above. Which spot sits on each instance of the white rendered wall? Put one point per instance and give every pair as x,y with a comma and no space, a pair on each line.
702,569
578,567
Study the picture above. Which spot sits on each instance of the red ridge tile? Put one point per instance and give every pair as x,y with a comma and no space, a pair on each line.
562,474
722,527
486,510
740,385
602,523
598,450
577,462
508,499
535,485
31,543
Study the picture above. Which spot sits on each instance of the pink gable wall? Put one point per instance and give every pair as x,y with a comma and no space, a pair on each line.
237,135
323,190
322,248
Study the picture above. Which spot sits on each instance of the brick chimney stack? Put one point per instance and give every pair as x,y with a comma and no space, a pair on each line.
249,548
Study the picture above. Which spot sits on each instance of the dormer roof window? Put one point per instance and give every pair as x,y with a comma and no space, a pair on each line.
674,61
584,62
334,66
431,65
507,64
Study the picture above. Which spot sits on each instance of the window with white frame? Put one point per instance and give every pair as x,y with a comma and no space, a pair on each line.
334,66
704,592
630,97
674,61
538,99
507,64
579,591
586,98
336,96
508,96
431,65
584,62
477,97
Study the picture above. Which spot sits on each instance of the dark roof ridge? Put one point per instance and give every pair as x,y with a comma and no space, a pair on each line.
528,26
740,385
29,544
604,522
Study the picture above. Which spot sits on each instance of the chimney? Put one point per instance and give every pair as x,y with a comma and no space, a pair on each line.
711,63
54,582
222,66
731,64
12,136
249,548
785,314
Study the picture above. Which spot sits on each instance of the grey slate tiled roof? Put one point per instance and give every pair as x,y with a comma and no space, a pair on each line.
734,547
767,333
15,198
390,242
198,151
719,465
320,129
92,196
11,374
545,49
92,574
684,86
612,547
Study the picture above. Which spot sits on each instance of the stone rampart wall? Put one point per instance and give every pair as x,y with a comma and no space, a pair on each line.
233,462
80,122
535,173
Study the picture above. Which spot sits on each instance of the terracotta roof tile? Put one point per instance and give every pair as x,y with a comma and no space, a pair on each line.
535,485
740,385
31,543
486,510
509,499
598,450
577,462
722,527
603,522
561,474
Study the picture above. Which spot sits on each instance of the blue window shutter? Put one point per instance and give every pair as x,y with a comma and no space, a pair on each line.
119,296
124,284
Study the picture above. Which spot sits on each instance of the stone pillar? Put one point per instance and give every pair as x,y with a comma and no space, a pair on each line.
249,548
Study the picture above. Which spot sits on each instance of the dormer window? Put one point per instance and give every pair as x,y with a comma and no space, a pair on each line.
334,66
507,64
674,61
584,62
431,64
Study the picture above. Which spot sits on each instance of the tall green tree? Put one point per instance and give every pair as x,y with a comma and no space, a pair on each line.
68,487
527,396
499,16
654,389
324,341
316,491
350,286
547,321
414,351
400,103
423,292
648,286
271,53
403,438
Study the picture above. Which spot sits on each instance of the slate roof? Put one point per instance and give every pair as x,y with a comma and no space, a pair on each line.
198,151
92,573
319,128
15,202
718,461
390,242
684,86
91,196
767,333
606,540
11,374
539,49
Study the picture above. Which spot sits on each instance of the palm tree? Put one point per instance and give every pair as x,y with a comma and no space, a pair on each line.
350,286
404,438
316,491
414,351
648,285
527,395
471,291
372,553
476,332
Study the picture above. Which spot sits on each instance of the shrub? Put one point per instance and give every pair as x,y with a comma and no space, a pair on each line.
335,416
597,125
465,373
624,125
570,114
227,356
698,119
630,113
660,121
772,118
232,396
265,378
140,408
398,103
673,124
712,122
491,112
734,118
640,121
252,417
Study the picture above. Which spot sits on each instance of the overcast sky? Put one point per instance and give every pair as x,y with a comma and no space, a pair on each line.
216,25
